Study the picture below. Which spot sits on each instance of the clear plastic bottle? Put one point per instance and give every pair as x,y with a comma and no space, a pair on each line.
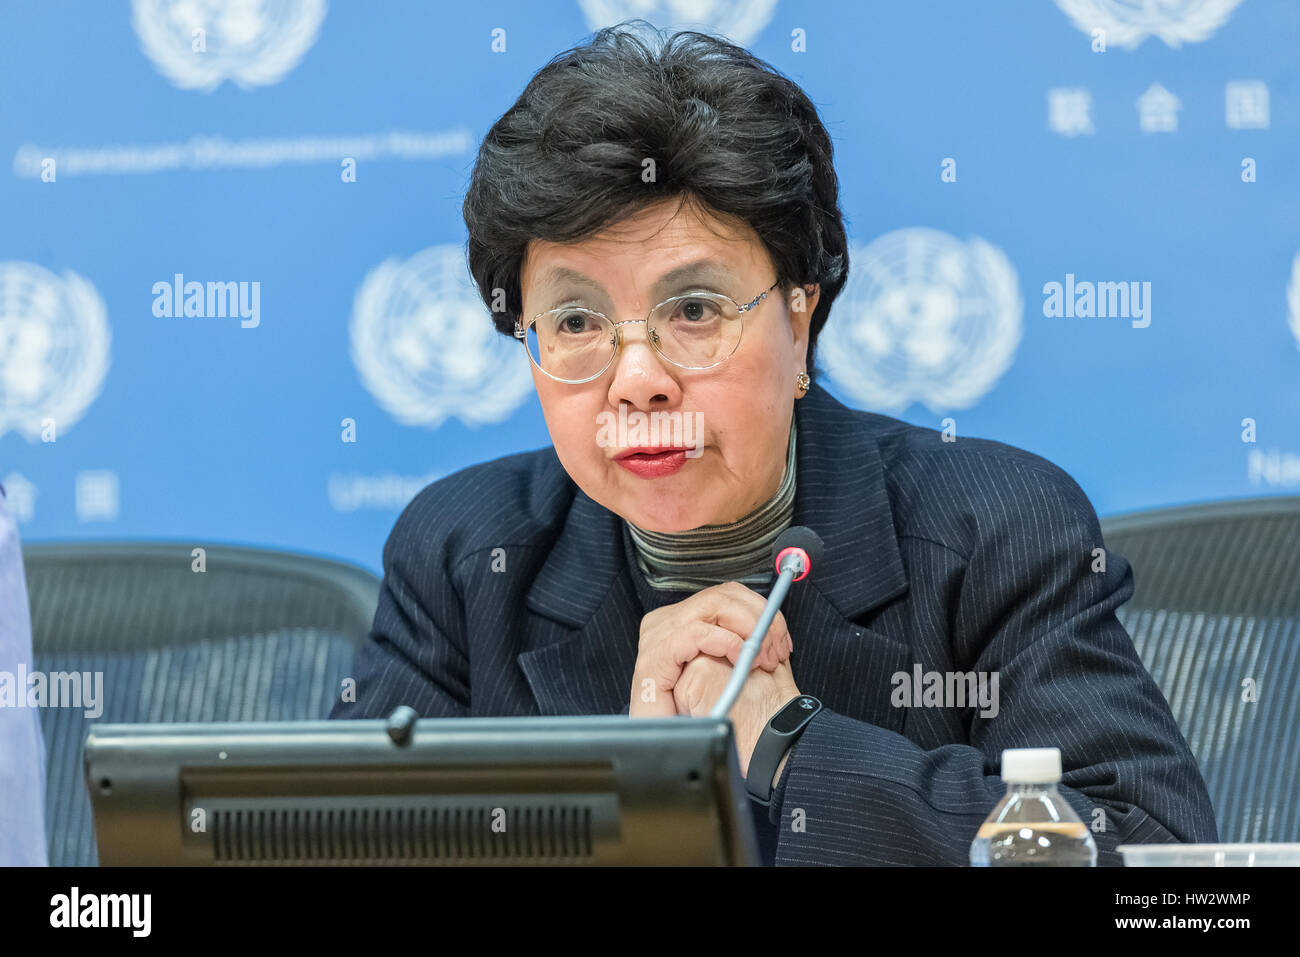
1033,825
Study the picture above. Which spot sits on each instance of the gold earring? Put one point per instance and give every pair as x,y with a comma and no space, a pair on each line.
801,383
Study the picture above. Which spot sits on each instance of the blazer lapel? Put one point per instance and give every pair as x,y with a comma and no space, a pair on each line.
584,622
841,494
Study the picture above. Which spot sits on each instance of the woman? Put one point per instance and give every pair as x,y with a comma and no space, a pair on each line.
658,225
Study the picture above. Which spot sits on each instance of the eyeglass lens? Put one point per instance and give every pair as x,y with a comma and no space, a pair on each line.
695,331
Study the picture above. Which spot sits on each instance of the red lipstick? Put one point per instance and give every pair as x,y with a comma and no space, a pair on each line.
653,461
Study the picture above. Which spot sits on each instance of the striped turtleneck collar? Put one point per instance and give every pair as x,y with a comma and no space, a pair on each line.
711,554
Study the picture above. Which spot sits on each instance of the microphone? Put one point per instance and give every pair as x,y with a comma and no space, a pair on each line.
802,542
795,552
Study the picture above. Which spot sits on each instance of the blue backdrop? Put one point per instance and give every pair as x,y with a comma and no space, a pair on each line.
304,163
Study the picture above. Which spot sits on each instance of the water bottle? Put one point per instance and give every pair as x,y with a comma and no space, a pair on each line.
1032,824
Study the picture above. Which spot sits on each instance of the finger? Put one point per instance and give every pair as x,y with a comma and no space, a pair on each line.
767,657
776,647
718,642
649,700
704,670
737,608
730,605
692,638
777,642
685,643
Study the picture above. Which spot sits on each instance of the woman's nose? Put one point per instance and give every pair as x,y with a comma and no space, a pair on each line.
640,375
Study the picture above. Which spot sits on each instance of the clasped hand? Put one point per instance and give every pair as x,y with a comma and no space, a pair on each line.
686,655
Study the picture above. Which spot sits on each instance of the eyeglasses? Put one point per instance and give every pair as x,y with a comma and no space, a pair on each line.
698,330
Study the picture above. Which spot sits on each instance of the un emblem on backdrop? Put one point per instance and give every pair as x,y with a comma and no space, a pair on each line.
197,44
925,318
739,20
1128,22
426,348
54,342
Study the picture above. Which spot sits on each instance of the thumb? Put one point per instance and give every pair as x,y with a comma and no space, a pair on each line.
649,700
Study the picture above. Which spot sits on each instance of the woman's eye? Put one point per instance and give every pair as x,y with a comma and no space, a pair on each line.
573,323
696,310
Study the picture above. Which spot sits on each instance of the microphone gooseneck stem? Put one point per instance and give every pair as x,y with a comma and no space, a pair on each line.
749,650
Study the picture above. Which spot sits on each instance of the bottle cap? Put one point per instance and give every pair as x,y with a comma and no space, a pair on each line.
1031,765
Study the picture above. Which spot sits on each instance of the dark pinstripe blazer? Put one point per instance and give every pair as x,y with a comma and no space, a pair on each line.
507,591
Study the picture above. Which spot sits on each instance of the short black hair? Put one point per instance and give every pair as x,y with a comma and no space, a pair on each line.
724,128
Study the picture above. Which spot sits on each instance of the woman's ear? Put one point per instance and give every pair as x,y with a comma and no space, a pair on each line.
803,300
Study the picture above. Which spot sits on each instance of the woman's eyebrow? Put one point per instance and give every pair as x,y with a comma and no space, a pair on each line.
562,275
701,270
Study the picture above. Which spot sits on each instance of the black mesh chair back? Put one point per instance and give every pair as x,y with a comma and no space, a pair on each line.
1215,616
258,636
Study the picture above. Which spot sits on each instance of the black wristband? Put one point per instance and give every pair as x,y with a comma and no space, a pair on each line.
778,736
